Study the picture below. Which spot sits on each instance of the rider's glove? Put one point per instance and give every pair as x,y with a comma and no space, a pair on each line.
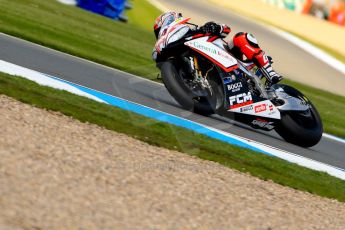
215,29
211,28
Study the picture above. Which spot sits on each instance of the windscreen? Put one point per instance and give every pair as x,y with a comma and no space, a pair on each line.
170,19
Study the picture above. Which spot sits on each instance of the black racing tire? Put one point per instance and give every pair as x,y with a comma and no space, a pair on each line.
304,129
171,72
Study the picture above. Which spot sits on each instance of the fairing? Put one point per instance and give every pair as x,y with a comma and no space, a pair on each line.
214,53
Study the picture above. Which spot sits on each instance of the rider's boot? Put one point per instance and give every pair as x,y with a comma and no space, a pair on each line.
272,76
264,62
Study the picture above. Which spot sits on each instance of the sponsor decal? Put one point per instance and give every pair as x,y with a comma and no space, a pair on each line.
246,109
178,20
235,87
257,109
272,113
227,80
260,108
223,54
240,100
271,110
205,48
210,50
263,124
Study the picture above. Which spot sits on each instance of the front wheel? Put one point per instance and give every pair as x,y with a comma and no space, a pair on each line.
303,128
174,76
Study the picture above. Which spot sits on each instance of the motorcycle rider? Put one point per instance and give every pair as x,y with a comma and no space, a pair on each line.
242,45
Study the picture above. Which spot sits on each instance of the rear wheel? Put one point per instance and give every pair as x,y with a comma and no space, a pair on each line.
303,128
175,76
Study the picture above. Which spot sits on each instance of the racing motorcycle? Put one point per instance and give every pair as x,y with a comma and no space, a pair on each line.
203,77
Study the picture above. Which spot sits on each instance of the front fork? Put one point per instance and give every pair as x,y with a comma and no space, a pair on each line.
199,78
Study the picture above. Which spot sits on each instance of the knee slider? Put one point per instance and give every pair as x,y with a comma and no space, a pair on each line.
252,40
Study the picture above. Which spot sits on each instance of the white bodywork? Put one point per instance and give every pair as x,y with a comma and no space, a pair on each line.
213,51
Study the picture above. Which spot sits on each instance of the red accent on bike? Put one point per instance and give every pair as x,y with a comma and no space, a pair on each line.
171,28
212,39
183,21
241,105
260,119
198,36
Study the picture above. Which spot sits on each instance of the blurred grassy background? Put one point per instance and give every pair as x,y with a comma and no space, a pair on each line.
143,15
127,47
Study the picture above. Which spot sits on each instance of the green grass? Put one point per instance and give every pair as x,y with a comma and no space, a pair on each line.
173,137
124,46
72,30
143,15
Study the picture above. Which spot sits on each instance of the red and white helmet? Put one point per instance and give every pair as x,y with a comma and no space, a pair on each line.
164,20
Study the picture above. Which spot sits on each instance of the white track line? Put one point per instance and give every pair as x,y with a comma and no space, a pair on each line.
334,138
313,50
68,2
35,76
231,138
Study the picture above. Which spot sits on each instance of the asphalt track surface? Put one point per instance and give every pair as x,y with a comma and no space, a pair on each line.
147,93
291,61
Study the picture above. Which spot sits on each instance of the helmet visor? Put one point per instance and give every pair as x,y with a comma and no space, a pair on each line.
167,21
170,19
